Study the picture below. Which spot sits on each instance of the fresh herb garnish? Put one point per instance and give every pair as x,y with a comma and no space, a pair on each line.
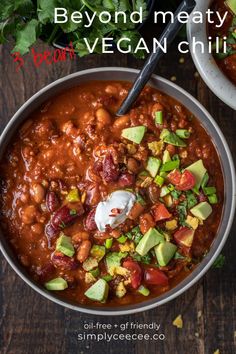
182,211
28,20
143,259
191,199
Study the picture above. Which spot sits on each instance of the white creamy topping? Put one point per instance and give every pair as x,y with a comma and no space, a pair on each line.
114,211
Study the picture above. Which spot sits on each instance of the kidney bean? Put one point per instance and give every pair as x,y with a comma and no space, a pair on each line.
126,180
59,260
83,251
52,201
65,216
45,272
90,223
202,197
110,170
146,222
50,233
93,195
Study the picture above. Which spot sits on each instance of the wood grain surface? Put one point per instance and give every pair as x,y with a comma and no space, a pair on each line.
32,324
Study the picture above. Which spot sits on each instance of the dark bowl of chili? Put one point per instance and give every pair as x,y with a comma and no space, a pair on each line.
228,190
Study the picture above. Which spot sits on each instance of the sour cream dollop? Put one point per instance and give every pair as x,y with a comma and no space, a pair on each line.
114,211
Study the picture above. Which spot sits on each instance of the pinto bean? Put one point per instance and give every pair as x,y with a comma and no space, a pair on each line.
83,251
37,228
28,214
132,165
121,122
38,192
111,90
103,118
80,236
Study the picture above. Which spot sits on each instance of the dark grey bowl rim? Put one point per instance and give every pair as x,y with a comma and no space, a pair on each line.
108,73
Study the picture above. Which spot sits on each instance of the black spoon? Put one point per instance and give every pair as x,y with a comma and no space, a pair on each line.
170,33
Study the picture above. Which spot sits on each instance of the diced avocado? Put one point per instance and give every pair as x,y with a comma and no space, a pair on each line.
56,284
113,260
202,210
98,252
165,251
166,156
171,138
198,170
232,5
134,134
64,245
90,264
153,166
148,241
98,291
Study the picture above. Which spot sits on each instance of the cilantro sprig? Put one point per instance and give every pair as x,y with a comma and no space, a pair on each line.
28,20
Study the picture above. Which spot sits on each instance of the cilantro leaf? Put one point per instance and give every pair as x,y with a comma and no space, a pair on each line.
26,36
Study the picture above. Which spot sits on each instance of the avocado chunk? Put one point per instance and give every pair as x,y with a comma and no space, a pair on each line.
113,260
166,156
134,134
165,252
56,284
202,210
232,5
153,166
98,252
198,170
148,241
98,291
64,245
171,138
90,263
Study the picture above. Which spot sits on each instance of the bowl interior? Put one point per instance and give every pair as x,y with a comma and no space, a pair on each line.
208,123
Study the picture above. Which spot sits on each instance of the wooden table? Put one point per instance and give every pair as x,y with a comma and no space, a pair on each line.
32,324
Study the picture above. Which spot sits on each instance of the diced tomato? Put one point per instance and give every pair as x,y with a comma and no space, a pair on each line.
146,222
174,177
187,181
160,212
136,211
182,182
136,272
184,236
154,276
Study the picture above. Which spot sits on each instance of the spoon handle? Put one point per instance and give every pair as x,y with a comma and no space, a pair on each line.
169,33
